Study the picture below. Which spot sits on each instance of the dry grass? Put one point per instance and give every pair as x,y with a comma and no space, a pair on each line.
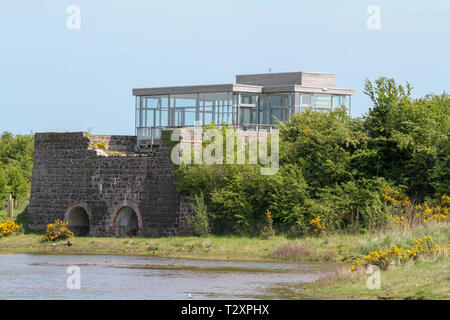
292,250
301,251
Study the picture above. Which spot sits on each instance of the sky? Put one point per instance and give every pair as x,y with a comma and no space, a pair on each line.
53,78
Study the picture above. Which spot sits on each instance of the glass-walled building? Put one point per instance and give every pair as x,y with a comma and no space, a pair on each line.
252,103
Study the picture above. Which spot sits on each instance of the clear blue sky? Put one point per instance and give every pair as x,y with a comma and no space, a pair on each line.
56,79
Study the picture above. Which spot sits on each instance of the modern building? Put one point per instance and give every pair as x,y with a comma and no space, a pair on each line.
254,102
100,185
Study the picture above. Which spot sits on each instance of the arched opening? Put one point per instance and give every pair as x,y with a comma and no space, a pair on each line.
127,223
78,219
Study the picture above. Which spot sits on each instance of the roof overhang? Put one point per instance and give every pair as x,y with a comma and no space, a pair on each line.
214,88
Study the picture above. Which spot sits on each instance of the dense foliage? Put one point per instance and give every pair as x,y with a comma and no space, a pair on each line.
16,165
334,168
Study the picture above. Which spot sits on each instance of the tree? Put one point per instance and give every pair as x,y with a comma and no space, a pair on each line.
18,185
4,190
409,137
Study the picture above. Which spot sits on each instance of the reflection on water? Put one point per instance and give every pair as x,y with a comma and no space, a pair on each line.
25,276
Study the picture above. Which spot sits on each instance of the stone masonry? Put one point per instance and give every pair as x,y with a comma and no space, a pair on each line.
71,175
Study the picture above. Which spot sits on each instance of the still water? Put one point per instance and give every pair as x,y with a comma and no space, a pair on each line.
24,276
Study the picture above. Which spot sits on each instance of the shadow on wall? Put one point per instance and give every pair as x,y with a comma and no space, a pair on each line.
78,219
127,223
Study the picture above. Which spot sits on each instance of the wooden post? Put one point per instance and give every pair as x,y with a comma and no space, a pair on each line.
10,206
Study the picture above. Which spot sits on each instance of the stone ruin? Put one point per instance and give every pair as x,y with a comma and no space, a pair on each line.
103,188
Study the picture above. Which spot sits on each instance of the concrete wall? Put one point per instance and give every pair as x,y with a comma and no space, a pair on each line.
307,79
326,80
68,173
270,79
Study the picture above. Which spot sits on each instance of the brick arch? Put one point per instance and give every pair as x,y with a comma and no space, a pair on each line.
120,206
86,208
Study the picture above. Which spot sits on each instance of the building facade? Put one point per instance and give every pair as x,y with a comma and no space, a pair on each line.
254,102
101,186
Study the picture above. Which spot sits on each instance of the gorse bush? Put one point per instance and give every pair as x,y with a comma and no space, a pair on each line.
268,231
423,247
56,231
8,227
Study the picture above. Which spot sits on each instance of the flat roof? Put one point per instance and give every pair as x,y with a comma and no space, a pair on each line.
298,81
214,88
283,73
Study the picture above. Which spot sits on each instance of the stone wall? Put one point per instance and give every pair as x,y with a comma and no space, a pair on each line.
115,143
70,173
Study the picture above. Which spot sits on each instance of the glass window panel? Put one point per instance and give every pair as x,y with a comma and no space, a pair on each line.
156,101
189,116
151,118
249,99
346,101
275,100
247,115
157,121
297,98
306,99
207,114
322,100
337,101
164,118
138,118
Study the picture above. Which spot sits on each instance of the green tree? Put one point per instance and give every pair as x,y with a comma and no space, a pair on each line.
409,142
18,184
323,145
4,189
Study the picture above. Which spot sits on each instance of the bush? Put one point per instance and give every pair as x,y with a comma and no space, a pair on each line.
424,247
56,231
268,231
199,222
337,168
100,145
8,227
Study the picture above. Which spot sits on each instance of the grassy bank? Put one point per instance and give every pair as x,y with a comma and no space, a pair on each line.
334,248
427,278
17,210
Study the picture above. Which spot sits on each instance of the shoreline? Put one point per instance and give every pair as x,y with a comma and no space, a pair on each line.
189,248
399,282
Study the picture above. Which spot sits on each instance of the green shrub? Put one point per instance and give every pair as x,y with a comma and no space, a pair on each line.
199,222
268,231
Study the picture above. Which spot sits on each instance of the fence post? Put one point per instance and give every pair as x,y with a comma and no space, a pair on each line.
10,206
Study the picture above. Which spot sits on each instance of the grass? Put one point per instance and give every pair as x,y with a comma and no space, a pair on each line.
4,212
212,247
428,279
334,248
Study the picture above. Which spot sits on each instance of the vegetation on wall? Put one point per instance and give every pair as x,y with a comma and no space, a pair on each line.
334,169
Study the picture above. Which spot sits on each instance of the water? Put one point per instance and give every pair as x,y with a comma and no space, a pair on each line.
24,276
